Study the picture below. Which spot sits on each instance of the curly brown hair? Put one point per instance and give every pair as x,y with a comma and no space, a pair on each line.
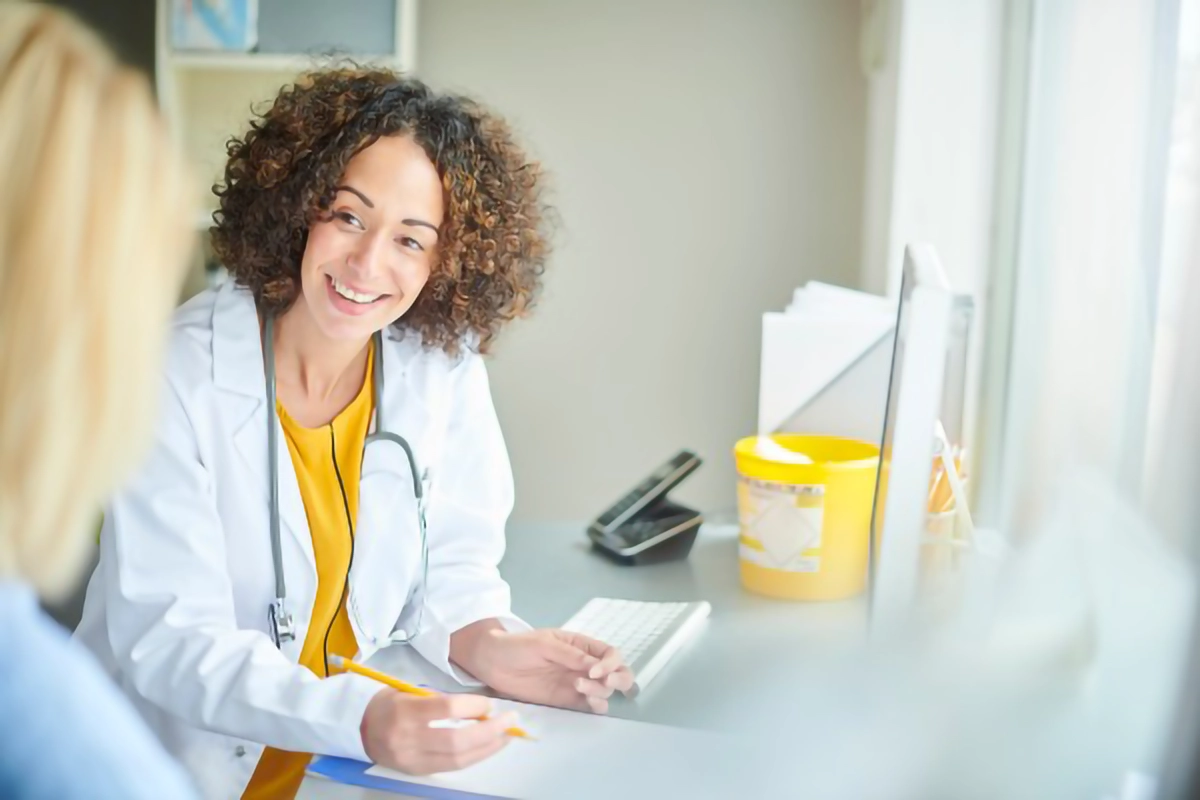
280,178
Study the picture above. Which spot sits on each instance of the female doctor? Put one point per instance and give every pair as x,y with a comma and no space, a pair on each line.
329,475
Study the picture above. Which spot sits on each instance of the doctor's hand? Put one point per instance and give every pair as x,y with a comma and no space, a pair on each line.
396,731
548,667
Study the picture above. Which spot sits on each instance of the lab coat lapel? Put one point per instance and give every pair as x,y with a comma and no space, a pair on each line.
238,373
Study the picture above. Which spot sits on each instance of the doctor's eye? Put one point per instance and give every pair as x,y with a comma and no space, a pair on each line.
349,219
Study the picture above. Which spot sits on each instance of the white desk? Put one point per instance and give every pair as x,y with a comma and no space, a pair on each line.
1073,688
751,642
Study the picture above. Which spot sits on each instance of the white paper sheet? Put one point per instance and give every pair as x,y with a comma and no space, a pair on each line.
574,753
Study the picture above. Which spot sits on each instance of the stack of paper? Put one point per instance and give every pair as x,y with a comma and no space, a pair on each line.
825,362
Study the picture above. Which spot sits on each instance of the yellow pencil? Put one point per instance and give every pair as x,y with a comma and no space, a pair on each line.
404,686
935,485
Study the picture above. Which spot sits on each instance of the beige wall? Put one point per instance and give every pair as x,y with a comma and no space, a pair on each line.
707,157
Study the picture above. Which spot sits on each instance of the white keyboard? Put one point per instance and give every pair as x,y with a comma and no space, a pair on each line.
647,634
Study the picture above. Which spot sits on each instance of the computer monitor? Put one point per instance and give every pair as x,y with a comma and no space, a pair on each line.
926,386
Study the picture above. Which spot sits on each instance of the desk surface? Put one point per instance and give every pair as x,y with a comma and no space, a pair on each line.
752,641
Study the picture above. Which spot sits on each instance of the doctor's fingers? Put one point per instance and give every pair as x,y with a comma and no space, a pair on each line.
447,762
452,706
432,750
468,738
607,659
620,679
591,688
611,663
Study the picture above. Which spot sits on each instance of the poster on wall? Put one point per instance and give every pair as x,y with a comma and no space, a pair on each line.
225,25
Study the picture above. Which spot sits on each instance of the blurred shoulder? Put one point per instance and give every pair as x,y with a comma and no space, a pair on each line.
79,738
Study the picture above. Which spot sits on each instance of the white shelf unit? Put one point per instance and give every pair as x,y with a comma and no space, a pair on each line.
236,62
207,95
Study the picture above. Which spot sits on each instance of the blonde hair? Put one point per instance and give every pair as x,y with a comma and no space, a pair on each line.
94,236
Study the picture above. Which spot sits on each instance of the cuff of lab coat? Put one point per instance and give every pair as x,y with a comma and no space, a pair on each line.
434,646
358,697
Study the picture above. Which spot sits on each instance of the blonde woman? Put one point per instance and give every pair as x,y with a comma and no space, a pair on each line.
92,241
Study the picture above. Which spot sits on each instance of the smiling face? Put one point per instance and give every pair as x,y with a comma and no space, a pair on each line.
369,257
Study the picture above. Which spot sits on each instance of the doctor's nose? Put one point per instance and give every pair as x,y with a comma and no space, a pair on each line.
365,260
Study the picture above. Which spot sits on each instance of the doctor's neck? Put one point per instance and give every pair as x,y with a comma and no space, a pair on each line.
309,362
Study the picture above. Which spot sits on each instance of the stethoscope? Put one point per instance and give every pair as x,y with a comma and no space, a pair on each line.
282,625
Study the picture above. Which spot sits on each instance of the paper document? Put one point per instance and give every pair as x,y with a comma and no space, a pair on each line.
816,299
801,356
570,747
821,351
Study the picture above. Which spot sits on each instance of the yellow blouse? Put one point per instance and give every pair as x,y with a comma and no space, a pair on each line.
326,459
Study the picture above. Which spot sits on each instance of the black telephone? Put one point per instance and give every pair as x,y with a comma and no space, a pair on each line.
644,526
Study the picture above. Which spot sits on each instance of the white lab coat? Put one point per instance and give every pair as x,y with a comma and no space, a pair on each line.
177,609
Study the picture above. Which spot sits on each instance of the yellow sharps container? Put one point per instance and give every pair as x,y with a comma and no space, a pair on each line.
805,526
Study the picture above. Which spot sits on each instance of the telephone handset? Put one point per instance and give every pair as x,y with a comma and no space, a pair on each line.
644,526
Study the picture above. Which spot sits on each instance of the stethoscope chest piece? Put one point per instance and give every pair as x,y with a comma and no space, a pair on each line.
283,627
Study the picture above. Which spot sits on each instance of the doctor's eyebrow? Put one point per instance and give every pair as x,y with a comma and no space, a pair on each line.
352,190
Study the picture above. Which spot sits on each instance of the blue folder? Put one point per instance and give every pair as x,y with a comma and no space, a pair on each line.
354,773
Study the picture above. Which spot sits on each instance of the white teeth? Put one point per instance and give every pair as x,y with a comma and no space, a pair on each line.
350,294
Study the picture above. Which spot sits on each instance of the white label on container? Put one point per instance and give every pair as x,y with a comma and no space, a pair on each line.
786,519
798,564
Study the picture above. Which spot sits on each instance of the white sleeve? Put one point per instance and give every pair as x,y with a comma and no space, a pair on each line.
171,623
470,500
